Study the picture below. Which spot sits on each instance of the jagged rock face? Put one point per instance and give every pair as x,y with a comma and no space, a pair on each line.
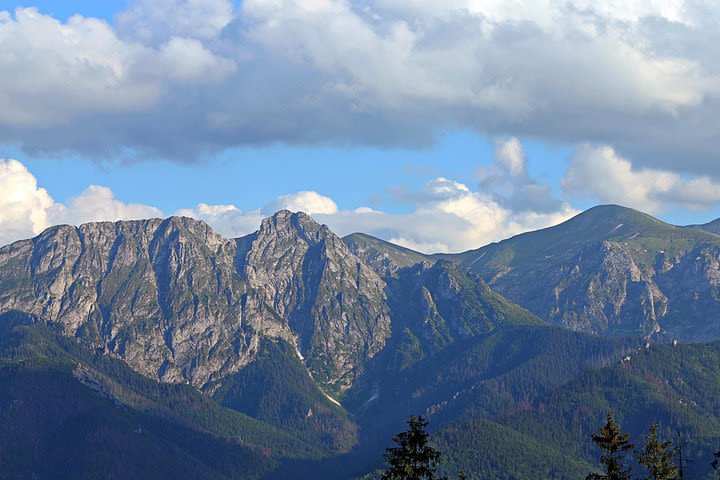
606,290
600,290
180,303
163,295
333,301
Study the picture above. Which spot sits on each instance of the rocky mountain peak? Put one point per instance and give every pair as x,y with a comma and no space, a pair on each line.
181,303
333,302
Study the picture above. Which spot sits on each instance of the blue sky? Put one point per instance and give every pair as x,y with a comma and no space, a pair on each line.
351,176
221,111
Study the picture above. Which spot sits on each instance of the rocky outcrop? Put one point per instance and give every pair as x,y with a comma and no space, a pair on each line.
182,304
333,302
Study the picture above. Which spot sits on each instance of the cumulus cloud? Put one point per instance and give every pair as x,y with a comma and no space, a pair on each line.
155,21
23,205
640,75
227,220
446,216
599,173
98,204
27,209
308,202
508,180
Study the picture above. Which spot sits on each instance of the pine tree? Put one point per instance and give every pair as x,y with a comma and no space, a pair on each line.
413,458
614,445
658,457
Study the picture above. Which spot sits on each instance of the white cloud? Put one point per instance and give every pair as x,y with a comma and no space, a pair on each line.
510,156
177,78
23,205
308,202
599,173
188,59
98,204
447,216
77,85
27,209
158,20
228,220
510,183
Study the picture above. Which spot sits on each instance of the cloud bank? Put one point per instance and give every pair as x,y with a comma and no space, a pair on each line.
182,78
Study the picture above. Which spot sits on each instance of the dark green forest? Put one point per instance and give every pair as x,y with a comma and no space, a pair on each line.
519,402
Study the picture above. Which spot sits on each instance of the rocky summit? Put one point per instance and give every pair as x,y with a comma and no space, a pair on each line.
182,304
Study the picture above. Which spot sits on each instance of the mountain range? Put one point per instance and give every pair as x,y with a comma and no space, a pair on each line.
292,351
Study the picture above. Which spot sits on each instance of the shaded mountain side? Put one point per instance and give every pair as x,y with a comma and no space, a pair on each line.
490,373
276,388
84,414
677,387
491,451
610,270
534,390
435,305
497,372
56,428
533,395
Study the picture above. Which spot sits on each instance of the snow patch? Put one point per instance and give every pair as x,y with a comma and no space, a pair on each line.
615,229
478,258
297,350
302,359
331,398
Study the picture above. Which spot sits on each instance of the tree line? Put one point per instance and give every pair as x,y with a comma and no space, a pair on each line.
413,458
657,459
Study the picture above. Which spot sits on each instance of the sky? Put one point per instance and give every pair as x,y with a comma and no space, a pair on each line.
439,125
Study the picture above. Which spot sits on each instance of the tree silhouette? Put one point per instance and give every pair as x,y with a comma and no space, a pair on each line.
413,458
658,457
614,445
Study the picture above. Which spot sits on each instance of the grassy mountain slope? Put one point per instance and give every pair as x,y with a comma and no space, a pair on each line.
712,227
610,270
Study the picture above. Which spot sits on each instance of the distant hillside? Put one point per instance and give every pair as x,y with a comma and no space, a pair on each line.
610,270
712,227
385,257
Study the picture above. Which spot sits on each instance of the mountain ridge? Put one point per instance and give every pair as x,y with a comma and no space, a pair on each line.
268,328
180,303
